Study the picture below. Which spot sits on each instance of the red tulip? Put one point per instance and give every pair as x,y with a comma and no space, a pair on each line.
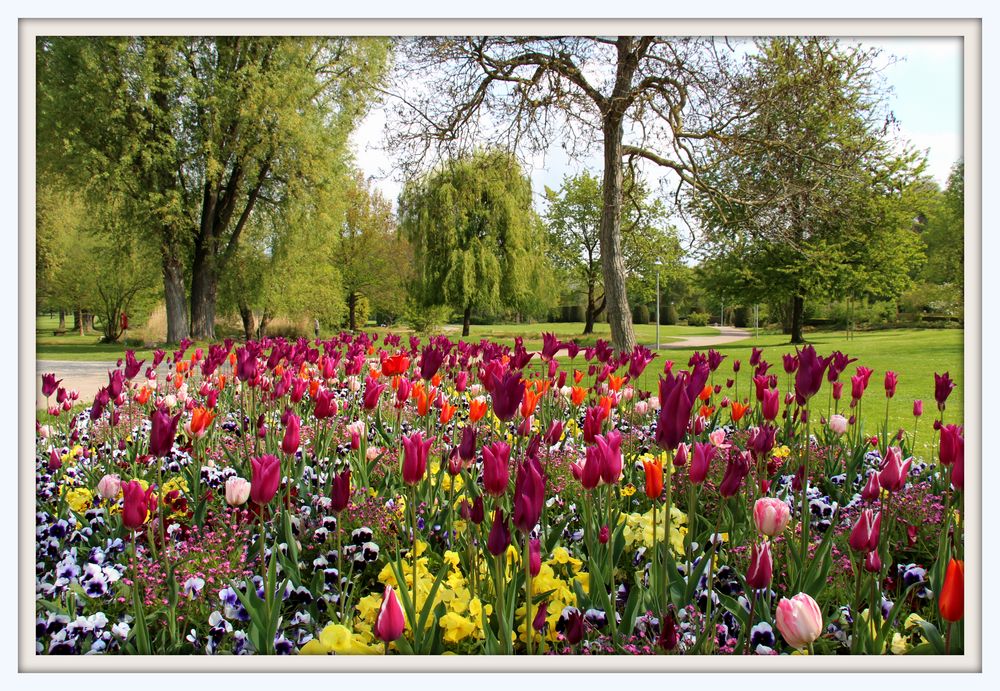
951,601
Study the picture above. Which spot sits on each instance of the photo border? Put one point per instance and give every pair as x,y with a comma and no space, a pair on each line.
971,32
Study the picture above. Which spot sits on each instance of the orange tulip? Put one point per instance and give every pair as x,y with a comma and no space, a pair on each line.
738,410
178,381
706,393
529,402
222,381
423,401
477,408
615,383
579,393
313,388
542,387
181,366
706,411
201,419
279,370
232,359
143,395
654,478
577,376
374,372
606,403
447,411
951,601
436,380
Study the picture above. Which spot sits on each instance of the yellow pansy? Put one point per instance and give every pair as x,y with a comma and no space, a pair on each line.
80,499
456,627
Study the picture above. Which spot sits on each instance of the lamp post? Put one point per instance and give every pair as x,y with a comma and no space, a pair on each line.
658,265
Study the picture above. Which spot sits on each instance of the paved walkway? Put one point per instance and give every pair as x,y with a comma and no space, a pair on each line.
726,334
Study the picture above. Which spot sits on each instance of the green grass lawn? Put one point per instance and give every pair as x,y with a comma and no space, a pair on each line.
915,355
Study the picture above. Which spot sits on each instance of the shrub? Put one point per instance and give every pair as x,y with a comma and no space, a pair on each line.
425,320
742,317
668,314
698,319
640,314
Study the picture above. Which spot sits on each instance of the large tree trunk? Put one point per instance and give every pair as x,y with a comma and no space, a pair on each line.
62,319
352,311
78,320
88,321
612,261
588,327
798,302
204,286
246,314
174,296
467,320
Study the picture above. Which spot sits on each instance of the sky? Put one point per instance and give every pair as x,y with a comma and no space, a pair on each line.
923,76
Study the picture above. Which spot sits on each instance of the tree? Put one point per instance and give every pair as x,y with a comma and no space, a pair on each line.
837,228
373,258
630,97
944,233
573,224
469,224
199,132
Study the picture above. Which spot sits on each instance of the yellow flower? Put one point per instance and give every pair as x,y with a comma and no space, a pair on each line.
176,483
314,647
456,627
628,490
900,645
80,499
560,555
339,639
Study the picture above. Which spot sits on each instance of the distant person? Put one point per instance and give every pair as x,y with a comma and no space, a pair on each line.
316,328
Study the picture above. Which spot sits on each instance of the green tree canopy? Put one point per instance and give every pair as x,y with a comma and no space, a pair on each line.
470,224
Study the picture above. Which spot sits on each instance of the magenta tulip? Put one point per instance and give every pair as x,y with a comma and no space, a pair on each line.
496,468
390,622
761,566
415,451
265,479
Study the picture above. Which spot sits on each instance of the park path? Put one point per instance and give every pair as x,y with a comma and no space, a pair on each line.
727,334
88,377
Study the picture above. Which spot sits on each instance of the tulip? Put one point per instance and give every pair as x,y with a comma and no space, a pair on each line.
771,516
809,376
943,386
701,459
390,623
892,477
237,491
790,362
668,638
873,563
467,447
951,601
761,566
554,434
872,489
737,469
109,487
477,408
132,366
681,456
341,491
799,620
571,622
958,467
507,394
538,623
372,392
265,479
49,384
137,502
415,451
593,422
838,390
951,436
654,478
838,424
918,408
529,495
534,556
865,534
891,380
589,471
611,456
496,473
675,410
290,442
326,405
761,441
163,432
770,403
395,365
604,535
499,537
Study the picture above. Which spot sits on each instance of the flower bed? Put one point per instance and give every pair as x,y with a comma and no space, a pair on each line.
357,497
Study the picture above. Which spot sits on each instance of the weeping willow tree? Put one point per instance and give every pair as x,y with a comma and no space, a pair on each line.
474,236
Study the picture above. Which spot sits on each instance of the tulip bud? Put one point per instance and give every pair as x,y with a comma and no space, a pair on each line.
534,556
873,563
109,487
838,424
604,535
951,601
55,462
390,623
761,566
771,516
499,538
872,489
918,408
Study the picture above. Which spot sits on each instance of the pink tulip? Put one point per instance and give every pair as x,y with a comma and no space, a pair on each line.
389,623
872,489
873,563
761,566
865,534
237,491
799,620
109,487
892,477
771,516
838,424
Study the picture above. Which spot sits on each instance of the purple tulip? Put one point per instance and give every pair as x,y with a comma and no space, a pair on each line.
891,380
467,448
943,386
675,411
550,346
372,392
499,538
701,458
611,456
163,432
736,470
49,384
265,478
892,477
340,495
507,394
415,451
809,376
290,442
529,496
496,473
132,366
